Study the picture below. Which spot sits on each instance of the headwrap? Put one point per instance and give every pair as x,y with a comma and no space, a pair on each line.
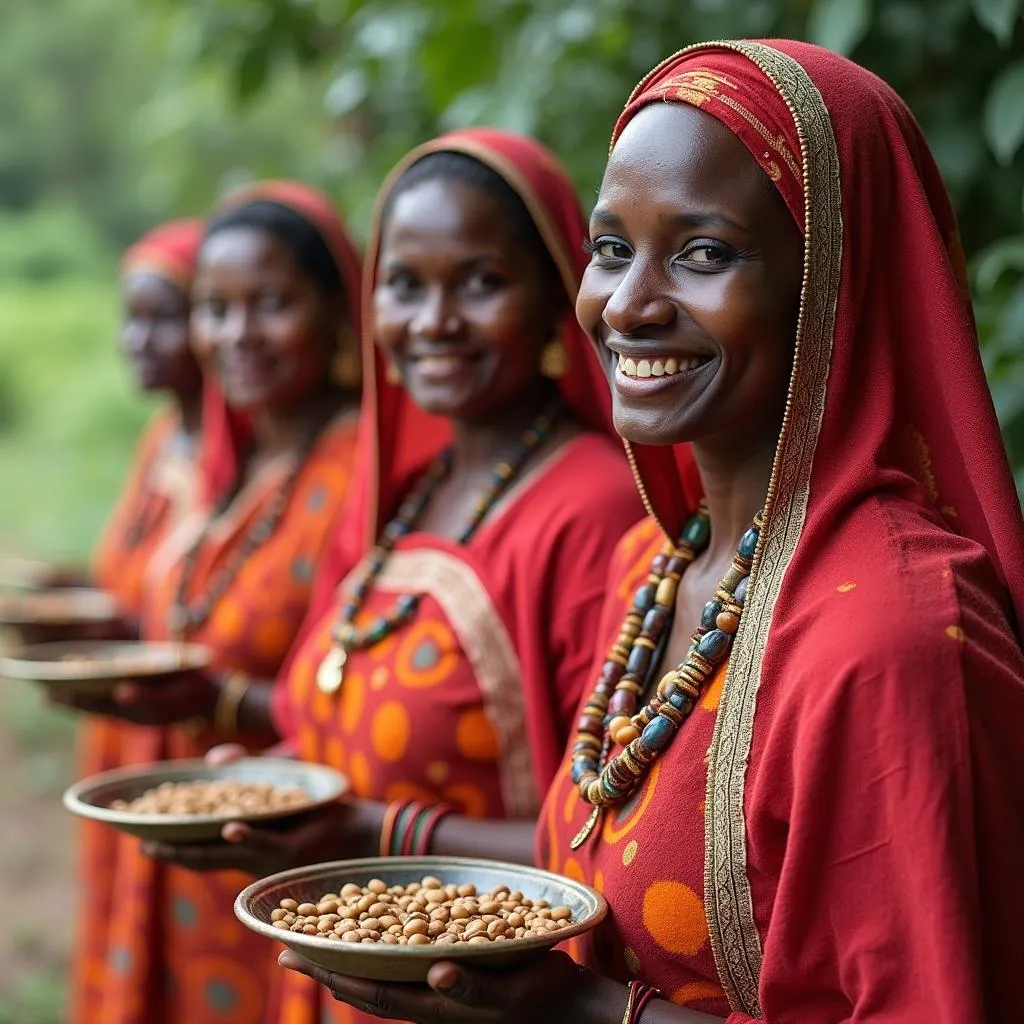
169,251
893,549
396,437
226,432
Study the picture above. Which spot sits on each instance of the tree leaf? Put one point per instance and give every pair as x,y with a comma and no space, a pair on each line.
839,24
1003,116
998,16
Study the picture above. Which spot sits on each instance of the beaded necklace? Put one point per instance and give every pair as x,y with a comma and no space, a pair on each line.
346,635
610,715
184,616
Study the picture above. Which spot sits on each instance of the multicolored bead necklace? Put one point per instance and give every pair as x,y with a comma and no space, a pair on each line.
610,716
346,635
185,617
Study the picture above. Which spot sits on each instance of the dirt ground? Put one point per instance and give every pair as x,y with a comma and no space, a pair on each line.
36,884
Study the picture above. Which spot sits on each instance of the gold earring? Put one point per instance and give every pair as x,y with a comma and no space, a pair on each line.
554,359
391,374
346,366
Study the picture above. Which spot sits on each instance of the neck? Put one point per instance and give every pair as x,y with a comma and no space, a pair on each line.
483,442
286,431
190,408
735,489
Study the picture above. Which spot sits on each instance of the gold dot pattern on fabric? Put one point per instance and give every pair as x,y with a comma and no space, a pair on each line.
629,853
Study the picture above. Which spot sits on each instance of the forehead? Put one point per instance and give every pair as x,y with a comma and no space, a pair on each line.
443,211
239,250
672,154
148,288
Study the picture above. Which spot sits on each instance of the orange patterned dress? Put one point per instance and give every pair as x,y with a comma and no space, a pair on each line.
466,703
160,491
170,949
658,872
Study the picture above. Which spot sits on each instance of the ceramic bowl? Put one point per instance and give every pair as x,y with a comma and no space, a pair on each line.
255,904
92,797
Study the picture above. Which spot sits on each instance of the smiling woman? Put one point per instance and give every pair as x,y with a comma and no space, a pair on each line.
275,300
796,773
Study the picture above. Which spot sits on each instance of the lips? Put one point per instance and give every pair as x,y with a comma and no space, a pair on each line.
667,366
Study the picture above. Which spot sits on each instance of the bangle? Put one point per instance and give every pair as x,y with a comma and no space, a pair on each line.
636,1001
387,829
232,693
425,826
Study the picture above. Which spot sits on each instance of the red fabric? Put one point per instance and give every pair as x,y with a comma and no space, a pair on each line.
226,433
168,251
883,810
397,439
530,581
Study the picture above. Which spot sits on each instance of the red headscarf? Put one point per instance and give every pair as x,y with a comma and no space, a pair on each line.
169,251
225,433
396,436
893,547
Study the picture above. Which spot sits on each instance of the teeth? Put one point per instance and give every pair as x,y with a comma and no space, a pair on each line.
645,368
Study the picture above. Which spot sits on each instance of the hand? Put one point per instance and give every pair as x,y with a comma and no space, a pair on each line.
341,830
174,698
549,990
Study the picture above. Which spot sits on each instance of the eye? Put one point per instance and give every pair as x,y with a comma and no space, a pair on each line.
483,282
271,302
609,250
213,306
402,283
706,253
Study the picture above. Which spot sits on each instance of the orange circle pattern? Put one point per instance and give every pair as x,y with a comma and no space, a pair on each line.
475,736
674,917
428,654
390,731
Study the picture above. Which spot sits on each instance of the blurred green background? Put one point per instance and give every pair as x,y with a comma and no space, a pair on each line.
116,115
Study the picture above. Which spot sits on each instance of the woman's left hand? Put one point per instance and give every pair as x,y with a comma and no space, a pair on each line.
552,989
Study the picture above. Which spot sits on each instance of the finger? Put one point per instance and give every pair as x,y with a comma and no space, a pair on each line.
457,984
226,753
197,857
388,1001
237,833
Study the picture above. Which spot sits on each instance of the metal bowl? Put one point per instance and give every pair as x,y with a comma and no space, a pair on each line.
61,606
96,666
255,904
92,797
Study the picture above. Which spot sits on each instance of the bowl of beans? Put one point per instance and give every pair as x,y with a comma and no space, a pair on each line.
391,918
190,800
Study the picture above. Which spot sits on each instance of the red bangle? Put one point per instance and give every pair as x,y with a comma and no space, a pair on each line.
639,996
387,829
426,825
404,823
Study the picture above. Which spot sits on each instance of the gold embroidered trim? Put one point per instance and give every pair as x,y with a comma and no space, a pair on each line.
483,636
735,939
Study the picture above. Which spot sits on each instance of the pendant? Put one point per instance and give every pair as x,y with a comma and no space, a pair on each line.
331,672
584,833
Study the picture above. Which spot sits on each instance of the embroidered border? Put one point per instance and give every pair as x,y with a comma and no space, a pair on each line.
484,638
735,939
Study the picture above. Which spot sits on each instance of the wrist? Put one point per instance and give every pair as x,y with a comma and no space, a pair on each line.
604,1001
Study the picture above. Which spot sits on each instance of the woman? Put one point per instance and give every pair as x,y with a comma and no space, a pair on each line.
156,277
841,784
487,487
275,298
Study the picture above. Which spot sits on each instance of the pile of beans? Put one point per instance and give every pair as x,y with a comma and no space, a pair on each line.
421,914
214,796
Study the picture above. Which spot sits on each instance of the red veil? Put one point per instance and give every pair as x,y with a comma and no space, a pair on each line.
865,779
225,433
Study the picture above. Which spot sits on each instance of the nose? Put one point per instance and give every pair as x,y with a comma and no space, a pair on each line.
641,300
238,327
436,316
137,336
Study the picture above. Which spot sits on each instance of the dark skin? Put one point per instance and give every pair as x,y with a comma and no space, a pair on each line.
266,332
463,308
695,259
155,340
